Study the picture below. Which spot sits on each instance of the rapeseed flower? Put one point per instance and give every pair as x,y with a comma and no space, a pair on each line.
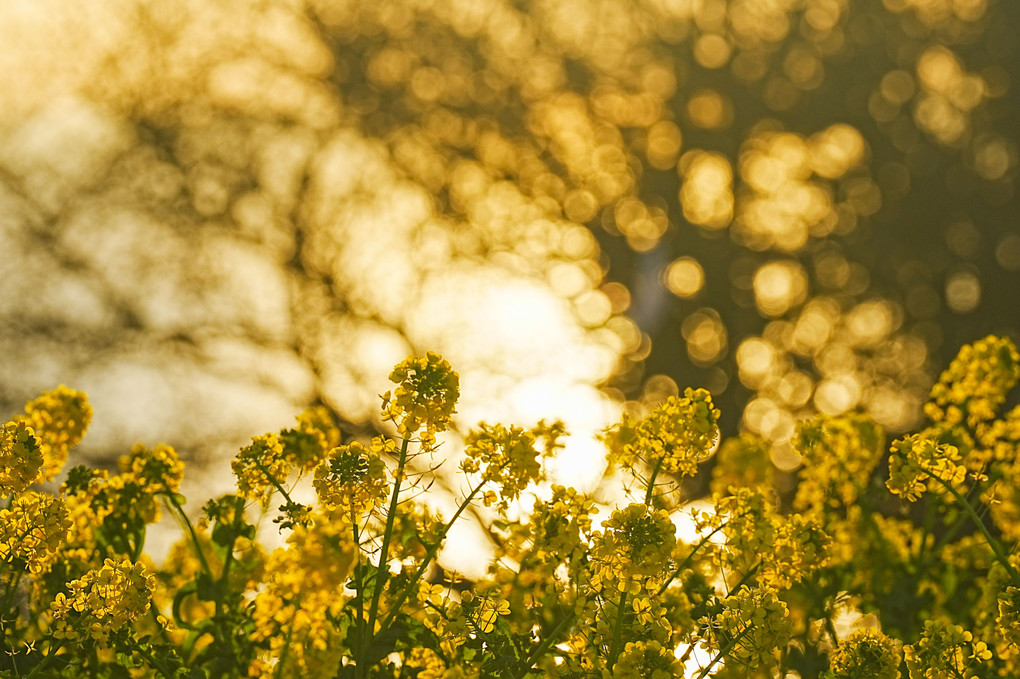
645,660
259,467
32,530
754,624
971,390
866,654
425,396
102,601
352,479
507,457
59,418
916,461
21,458
674,437
944,651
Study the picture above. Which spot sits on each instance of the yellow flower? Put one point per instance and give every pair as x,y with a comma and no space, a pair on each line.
352,478
636,542
756,622
676,435
159,470
507,457
915,462
59,418
641,660
102,601
426,394
976,383
839,453
307,444
1008,620
32,530
21,459
942,652
257,465
866,654
488,611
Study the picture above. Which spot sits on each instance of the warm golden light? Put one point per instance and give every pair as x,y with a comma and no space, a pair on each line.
685,277
707,191
778,286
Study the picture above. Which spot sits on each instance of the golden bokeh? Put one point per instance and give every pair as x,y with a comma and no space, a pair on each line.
271,203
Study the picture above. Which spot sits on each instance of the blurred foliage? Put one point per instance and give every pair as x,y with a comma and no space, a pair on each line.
234,207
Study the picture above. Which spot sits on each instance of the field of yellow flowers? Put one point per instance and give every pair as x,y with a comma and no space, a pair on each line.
880,561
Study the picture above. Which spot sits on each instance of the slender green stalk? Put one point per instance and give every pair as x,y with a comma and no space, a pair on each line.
359,587
51,652
153,662
191,531
687,559
547,642
228,558
724,652
651,481
1000,555
614,648
383,568
430,554
273,480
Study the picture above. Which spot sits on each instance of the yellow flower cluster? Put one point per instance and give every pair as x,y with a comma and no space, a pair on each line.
302,594
636,543
487,612
362,588
976,383
258,465
102,601
674,437
59,419
1008,620
753,625
308,443
20,457
917,462
32,529
427,663
506,457
839,453
866,654
641,660
743,462
425,396
944,651
159,470
799,548
352,479
561,523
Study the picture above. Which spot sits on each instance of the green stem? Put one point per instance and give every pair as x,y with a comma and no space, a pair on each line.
547,642
687,559
430,554
383,568
51,652
723,653
614,648
228,558
1000,555
832,630
158,666
359,588
272,480
191,531
651,481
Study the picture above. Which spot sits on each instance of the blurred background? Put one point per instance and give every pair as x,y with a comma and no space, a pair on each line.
213,214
